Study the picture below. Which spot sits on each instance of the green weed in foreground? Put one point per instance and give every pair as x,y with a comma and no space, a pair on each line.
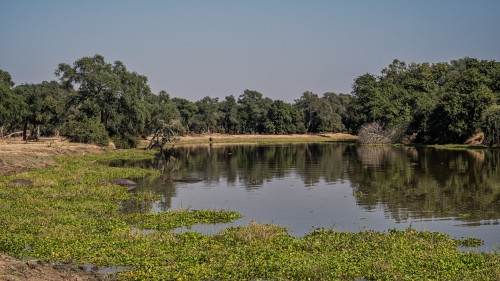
72,214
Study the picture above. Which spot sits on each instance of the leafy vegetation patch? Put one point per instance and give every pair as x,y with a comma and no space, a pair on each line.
71,214
175,219
461,146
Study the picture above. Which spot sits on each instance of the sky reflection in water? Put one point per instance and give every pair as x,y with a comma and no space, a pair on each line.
334,185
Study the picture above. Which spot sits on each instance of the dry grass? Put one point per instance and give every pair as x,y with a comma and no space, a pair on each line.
256,232
252,139
15,270
17,155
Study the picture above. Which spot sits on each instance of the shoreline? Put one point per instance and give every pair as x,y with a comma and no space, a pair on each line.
91,179
221,139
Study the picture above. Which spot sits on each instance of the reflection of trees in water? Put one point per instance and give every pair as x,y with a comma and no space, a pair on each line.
411,183
430,183
155,185
252,165
384,156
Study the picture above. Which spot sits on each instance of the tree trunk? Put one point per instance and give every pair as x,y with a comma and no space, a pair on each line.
25,129
309,124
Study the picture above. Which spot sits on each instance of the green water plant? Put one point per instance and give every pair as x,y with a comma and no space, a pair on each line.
72,214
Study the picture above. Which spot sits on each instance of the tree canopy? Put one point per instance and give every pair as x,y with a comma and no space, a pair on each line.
97,101
431,103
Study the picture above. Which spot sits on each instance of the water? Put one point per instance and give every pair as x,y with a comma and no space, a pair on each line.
334,185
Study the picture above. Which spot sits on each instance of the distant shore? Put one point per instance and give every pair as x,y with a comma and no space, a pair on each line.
17,155
258,138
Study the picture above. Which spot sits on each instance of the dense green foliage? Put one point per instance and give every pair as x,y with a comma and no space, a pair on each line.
491,125
72,214
111,93
438,103
418,102
86,131
11,105
92,90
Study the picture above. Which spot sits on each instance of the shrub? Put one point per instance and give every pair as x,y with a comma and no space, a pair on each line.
125,141
491,125
374,133
86,131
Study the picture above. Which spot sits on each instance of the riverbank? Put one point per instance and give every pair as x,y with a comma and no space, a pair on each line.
17,155
35,270
71,214
262,139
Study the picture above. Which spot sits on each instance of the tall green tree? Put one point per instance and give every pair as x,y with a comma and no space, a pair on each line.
310,106
321,114
253,111
338,104
458,115
111,93
440,103
229,120
283,118
491,125
164,112
11,105
465,92
364,102
208,114
421,85
45,108
187,110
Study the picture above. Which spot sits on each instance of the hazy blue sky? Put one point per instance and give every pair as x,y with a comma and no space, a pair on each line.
217,48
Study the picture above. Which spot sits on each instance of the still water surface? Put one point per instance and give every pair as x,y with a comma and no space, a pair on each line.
334,185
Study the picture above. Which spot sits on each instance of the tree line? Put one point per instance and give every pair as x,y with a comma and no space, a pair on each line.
95,101
431,103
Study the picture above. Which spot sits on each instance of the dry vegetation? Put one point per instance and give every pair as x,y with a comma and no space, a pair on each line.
17,155
33,270
256,138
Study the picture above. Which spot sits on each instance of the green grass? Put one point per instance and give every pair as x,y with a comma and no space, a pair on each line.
72,214
440,146
462,146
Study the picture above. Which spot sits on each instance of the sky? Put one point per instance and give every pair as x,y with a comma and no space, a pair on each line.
217,48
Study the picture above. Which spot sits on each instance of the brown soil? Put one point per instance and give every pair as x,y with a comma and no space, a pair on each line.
15,270
476,139
17,155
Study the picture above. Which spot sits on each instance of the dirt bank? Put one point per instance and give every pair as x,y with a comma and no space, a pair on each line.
15,270
222,138
17,155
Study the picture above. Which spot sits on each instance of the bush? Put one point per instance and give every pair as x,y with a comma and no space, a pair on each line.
125,141
491,125
86,131
374,133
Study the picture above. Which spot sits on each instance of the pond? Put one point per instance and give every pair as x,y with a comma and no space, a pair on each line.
335,185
